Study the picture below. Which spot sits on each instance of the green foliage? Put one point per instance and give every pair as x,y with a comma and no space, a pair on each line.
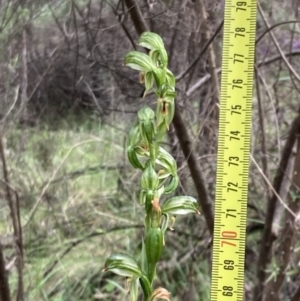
159,169
72,207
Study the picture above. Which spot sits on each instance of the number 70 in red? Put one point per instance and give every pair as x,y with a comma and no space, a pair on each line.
228,235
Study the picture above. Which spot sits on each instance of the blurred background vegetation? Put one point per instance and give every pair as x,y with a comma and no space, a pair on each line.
69,198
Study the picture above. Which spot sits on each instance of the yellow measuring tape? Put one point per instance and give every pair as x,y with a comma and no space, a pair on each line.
233,151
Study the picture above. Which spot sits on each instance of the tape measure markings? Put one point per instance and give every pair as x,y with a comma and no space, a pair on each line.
233,150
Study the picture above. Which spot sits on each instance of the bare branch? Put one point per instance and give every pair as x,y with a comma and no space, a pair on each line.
15,216
196,60
200,8
268,237
296,296
261,115
4,285
289,66
137,17
287,241
24,82
186,146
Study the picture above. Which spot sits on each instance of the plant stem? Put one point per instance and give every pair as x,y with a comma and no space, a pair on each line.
146,286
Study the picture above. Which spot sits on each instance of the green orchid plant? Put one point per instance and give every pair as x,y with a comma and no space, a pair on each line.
159,170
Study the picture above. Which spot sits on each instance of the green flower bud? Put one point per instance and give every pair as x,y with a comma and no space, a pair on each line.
151,40
139,61
159,76
180,205
145,114
167,161
165,91
159,57
170,79
133,159
146,196
146,120
172,185
165,223
149,82
134,136
154,42
150,179
154,246
165,110
123,265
